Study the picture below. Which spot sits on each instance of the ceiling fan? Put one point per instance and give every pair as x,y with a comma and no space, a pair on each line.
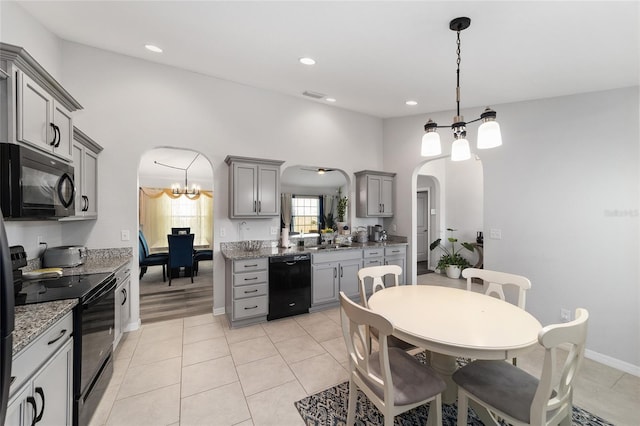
319,170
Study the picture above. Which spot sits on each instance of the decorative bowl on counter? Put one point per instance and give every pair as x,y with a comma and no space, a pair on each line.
251,245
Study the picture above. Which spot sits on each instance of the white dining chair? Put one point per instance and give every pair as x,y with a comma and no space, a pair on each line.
377,274
518,397
393,380
495,281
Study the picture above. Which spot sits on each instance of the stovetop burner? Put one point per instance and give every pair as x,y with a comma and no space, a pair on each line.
66,287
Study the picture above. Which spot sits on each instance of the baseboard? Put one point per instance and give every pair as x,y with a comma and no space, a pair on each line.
218,311
613,362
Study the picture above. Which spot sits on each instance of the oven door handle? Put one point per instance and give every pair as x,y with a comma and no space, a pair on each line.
95,298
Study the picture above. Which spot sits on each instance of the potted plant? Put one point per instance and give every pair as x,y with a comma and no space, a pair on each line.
341,210
452,261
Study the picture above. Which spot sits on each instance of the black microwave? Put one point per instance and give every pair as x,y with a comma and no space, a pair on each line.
33,185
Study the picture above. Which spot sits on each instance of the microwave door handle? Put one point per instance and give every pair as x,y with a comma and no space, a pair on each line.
66,177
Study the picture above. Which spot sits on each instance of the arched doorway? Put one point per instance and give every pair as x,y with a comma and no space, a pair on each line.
454,195
163,205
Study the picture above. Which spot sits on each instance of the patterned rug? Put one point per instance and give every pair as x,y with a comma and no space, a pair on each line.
329,408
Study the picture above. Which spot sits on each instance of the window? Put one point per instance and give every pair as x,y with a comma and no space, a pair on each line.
305,212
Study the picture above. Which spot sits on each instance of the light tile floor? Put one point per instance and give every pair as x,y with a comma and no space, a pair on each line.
196,371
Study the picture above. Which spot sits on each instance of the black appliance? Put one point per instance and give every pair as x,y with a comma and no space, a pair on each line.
34,186
6,321
289,285
93,325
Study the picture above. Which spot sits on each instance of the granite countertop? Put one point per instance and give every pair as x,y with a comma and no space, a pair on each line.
32,320
233,252
98,265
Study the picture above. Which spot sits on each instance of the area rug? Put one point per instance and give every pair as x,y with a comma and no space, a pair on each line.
329,408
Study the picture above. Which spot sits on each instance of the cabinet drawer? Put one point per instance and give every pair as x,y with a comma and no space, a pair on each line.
250,290
374,252
337,256
249,265
250,278
373,261
395,251
250,307
33,356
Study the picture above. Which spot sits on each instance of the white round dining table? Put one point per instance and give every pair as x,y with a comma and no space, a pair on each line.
452,323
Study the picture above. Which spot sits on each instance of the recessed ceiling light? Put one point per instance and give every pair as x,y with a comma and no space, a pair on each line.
411,103
330,100
307,61
153,48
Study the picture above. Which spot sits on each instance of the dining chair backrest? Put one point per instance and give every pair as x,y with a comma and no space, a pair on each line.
355,322
574,334
180,250
377,274
181,231
496,280
143,247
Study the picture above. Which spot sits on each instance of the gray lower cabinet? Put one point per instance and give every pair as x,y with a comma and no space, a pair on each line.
122,303
334,272
247,290
43,384
396,255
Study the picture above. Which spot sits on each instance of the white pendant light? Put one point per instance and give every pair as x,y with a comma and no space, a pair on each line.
489,135
460,150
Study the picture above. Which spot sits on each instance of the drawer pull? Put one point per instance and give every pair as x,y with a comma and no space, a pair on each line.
32,401
251,279
251,266
62,333
292,304
250,307
251,291
40,392
372,253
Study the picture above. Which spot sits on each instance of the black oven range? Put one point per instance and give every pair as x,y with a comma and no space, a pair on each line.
93,323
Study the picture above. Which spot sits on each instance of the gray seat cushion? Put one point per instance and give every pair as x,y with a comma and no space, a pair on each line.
501,385
412,382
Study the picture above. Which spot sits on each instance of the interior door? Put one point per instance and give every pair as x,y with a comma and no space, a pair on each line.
422,230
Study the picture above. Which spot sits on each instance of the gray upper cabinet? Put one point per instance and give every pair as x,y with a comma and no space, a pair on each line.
374,193
254,187
85,165
36,110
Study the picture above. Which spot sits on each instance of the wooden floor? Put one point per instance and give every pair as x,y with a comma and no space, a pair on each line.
159,302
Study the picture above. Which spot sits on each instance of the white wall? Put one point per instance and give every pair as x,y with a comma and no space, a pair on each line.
563,189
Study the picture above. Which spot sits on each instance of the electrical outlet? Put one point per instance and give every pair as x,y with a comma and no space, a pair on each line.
274,230
495,234
124,235
223,231
565,315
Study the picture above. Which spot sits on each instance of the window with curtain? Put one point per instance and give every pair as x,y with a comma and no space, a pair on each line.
305,213
160,210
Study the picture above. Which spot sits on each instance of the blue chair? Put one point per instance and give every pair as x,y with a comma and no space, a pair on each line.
180,231
201,255
180,253
145,259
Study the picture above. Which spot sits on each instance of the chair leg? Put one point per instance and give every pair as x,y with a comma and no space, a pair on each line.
143,269
353,399
434,418
463,408
163,273
192,275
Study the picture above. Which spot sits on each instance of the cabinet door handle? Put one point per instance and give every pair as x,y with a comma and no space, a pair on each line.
40,392
250,307
251,291
86,203
341,271
55,134
124,292
251,279
250,266
335,272
62,332
259,206
32,401
57,129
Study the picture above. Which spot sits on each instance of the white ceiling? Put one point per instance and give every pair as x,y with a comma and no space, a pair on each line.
372,56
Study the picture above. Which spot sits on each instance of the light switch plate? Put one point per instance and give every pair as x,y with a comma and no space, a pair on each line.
495,234
124,235
223,231
274,230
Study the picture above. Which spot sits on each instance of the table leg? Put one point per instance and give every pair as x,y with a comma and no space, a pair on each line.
445,366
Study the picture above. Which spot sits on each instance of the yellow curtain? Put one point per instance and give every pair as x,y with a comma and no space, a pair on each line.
160,210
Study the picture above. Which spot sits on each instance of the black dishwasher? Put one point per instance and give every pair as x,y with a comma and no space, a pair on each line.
289,285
